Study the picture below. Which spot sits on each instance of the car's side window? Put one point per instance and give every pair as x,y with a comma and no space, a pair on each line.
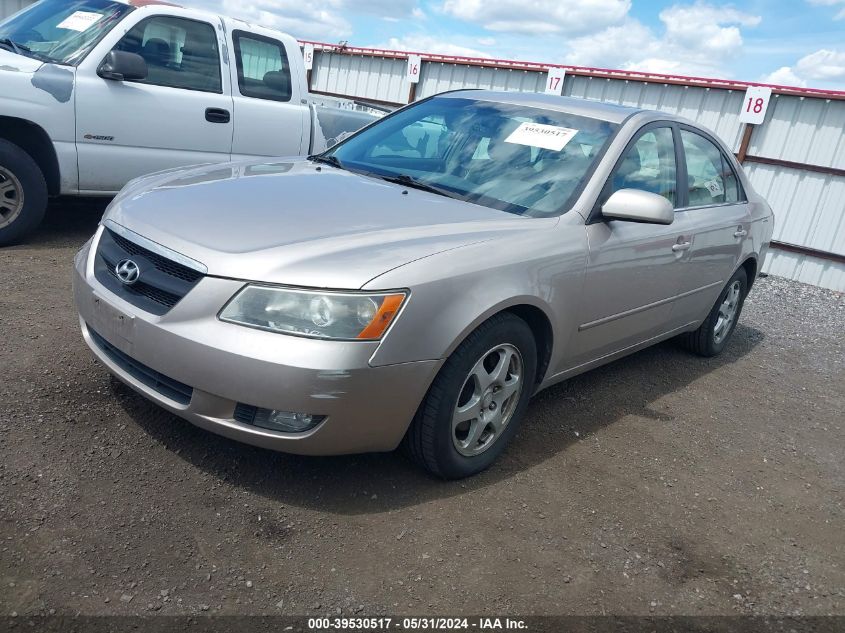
180,53
711,180
263,68
649,165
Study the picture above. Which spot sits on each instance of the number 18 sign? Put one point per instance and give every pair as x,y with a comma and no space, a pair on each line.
755,104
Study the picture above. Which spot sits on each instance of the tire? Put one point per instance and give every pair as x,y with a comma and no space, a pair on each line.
706,340
433,442
23,193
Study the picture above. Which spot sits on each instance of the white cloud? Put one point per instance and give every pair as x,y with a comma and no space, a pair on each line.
321,20
539,16
831,3
429,44
698,39
300,19
825,67
784,76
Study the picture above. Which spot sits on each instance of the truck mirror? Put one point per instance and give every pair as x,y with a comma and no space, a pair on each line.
123,66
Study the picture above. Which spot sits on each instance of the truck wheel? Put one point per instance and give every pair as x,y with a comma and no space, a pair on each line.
23,193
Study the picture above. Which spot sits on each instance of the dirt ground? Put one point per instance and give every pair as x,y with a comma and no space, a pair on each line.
661,484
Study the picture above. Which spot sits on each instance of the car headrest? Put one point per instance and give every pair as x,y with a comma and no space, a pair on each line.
156,51
278,81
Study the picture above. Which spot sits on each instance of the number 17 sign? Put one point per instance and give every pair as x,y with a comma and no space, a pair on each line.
754,105
554,81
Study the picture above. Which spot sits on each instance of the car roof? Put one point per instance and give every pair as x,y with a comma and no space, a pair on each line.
580,107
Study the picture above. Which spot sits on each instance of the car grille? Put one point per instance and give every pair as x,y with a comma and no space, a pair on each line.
168,387
162,282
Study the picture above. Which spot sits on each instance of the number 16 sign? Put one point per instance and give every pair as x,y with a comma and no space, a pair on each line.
754,105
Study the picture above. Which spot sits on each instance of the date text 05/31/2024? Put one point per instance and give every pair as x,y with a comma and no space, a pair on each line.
416,624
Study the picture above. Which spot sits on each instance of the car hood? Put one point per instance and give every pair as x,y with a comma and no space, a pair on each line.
293,222
13,63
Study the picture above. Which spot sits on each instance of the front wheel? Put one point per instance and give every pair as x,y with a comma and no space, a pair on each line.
477,400
23,193
713,335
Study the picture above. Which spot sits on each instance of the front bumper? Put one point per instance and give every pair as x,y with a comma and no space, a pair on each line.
366,408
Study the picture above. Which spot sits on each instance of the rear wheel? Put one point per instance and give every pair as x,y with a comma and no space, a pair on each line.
476,402
713,335
23,193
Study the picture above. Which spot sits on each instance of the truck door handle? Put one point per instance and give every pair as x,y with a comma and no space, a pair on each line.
740,233
681,246
217,115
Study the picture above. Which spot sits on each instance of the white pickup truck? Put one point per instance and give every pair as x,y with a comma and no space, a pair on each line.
94,93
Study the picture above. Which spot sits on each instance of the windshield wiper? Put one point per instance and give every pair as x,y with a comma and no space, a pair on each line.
14,46
410,181
327,159
21,49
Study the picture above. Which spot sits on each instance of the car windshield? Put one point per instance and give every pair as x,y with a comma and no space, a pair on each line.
523,160
59,31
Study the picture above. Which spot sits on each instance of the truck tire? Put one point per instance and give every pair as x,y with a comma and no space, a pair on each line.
23,193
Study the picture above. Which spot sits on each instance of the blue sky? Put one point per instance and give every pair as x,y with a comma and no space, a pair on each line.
798,42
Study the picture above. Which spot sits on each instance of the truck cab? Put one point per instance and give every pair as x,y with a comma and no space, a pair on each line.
94,93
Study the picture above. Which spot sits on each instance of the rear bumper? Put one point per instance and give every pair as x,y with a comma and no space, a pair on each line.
205,367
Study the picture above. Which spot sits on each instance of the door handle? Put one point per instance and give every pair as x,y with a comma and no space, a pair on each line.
217,115
740,233
681,246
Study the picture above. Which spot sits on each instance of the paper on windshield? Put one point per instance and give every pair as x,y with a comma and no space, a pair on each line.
79,20
540,135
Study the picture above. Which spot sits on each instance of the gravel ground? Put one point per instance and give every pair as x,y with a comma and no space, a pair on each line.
660,484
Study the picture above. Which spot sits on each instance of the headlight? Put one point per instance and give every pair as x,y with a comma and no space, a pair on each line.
330,315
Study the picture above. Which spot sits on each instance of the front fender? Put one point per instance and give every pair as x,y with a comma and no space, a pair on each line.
453,292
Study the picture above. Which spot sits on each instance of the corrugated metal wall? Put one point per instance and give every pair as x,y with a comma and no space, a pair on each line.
809,206
8,7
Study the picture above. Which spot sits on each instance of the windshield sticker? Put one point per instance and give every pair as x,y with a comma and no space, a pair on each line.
79,21
714,187
544,136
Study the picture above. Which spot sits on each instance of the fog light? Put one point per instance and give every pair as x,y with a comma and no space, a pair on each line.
275,420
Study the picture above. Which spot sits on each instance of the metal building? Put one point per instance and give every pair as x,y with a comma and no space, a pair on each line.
795,158
8,7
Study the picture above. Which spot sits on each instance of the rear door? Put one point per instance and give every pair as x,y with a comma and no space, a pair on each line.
271,110
178,115
715,207
634,271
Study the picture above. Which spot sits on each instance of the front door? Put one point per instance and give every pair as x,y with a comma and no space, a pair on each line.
179,115
634,270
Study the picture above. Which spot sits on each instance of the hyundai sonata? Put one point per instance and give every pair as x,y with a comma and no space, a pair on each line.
421,280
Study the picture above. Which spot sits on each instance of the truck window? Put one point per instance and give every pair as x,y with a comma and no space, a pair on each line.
180,53
263,69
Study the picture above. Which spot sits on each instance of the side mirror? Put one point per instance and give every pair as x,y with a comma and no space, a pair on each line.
634,205
120,66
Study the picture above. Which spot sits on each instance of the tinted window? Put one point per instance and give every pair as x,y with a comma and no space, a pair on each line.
263,70
519,159
649,165
179,53
711,178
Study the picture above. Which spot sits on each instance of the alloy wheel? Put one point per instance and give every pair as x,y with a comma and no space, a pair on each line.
11,197
487,400
727,312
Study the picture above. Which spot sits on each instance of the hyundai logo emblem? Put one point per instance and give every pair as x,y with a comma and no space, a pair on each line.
127,271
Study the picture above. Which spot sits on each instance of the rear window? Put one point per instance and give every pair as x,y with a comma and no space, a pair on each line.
263,69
